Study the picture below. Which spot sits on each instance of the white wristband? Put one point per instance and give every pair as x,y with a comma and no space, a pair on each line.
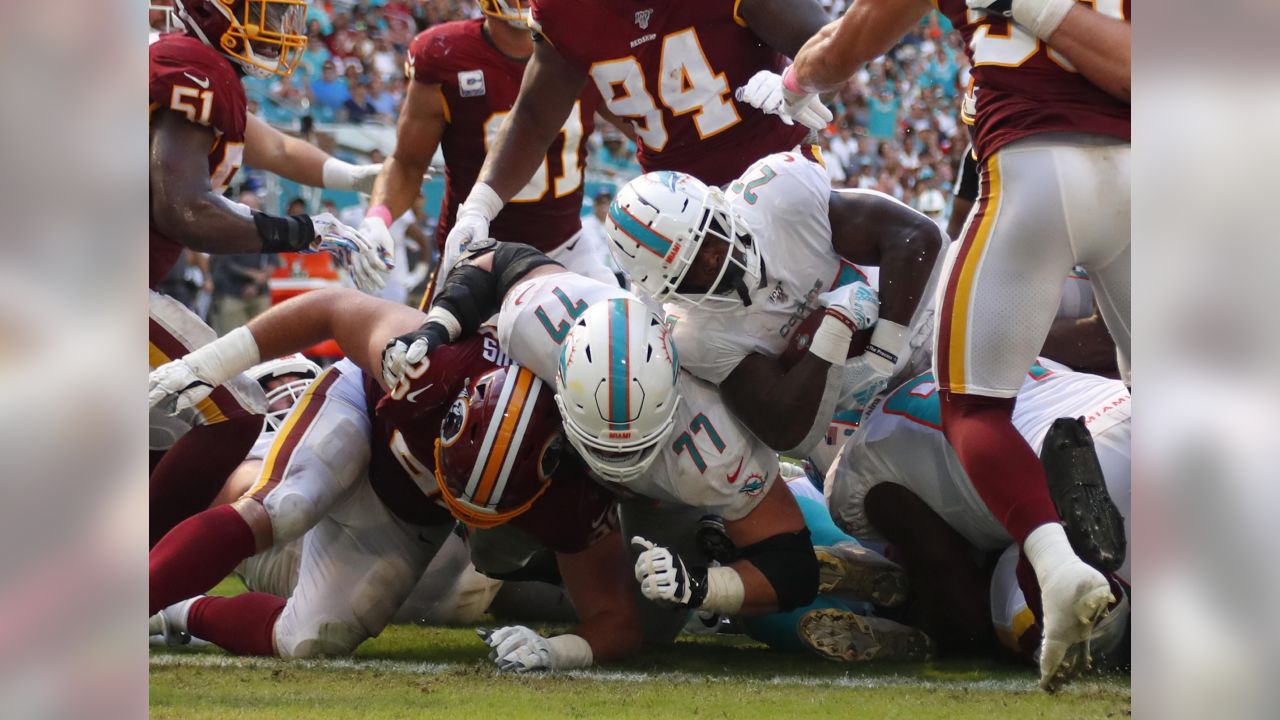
725,592
337,174
226,357
887,346
482,200
1041,17
831,340
569,651
445,318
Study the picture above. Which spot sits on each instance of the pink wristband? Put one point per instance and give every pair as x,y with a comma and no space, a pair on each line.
381,212
790,83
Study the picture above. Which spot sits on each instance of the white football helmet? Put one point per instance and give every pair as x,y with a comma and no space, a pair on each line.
290,365
660,221
616,387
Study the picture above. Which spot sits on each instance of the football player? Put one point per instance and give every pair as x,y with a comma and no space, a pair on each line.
200,132
740,271
899,447
667,68
1051,129
623,400
463,80
488,455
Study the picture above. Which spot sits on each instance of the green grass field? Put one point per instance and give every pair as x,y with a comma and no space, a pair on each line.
429,672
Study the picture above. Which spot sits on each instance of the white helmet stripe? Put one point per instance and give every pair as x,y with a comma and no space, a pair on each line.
508,385
525,414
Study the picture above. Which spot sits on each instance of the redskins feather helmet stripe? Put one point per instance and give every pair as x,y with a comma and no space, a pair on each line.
265,37
498,447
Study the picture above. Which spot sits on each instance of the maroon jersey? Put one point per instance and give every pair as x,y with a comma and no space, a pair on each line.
195,81
1020,87
568,517
671,67
479,85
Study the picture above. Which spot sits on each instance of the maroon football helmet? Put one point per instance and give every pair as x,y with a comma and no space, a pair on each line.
266,37
498,447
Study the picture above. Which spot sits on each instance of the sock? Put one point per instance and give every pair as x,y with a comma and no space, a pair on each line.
197,554
1030,587
822,530
192,472
243,625
1001,465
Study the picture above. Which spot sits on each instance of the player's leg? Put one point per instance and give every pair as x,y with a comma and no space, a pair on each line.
320,451
359,565
450,591
1098,208
204,445
1001,289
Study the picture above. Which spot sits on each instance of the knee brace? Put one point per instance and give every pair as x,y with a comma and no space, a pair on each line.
787,561
512,261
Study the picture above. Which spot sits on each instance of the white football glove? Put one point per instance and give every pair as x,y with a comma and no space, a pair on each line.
360,256
863,380
176,386
857,302
472,223
764,91
518,648
664,578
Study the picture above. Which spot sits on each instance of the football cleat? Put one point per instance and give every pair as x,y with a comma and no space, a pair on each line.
862,572
1075,597
843,636
161,624
1094,526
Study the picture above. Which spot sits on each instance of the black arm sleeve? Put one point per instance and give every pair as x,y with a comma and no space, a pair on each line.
473,295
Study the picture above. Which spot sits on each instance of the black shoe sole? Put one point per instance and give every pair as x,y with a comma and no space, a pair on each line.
1093,524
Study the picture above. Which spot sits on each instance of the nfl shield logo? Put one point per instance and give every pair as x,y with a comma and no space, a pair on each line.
471,83
642,18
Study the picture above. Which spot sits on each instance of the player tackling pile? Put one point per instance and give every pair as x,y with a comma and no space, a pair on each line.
620,445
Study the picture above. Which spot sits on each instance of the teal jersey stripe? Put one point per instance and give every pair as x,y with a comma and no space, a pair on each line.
638,231
619,347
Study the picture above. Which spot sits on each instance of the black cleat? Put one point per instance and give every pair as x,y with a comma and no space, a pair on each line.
1094,526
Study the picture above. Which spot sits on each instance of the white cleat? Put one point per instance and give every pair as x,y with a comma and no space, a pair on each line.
1075,597
170,623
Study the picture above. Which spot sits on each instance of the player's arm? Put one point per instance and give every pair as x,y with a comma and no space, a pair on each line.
867,30
868,228
1098,46
776,568
625,127
289,157
418,133
778,405
361,325
602,590
183,204
964,194
548,91
783,25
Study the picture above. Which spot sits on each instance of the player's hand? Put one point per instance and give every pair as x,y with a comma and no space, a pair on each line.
863,380
856,302
176,386
468,228
407,355
664,578
518,648
363,176
1003,8
365,259
764,91
374,228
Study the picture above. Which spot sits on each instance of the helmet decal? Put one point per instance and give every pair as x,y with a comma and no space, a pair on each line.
619,382
654,242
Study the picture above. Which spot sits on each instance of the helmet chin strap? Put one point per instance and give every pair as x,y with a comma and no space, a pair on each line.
743,293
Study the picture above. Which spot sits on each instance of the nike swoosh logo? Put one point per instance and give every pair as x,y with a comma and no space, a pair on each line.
202,82
520,297
412,397
734,477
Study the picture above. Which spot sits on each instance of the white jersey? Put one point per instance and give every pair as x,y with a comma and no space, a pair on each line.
538,314
783,199
711,461
900,441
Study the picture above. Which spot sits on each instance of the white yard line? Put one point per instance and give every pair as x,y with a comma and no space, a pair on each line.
429,668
